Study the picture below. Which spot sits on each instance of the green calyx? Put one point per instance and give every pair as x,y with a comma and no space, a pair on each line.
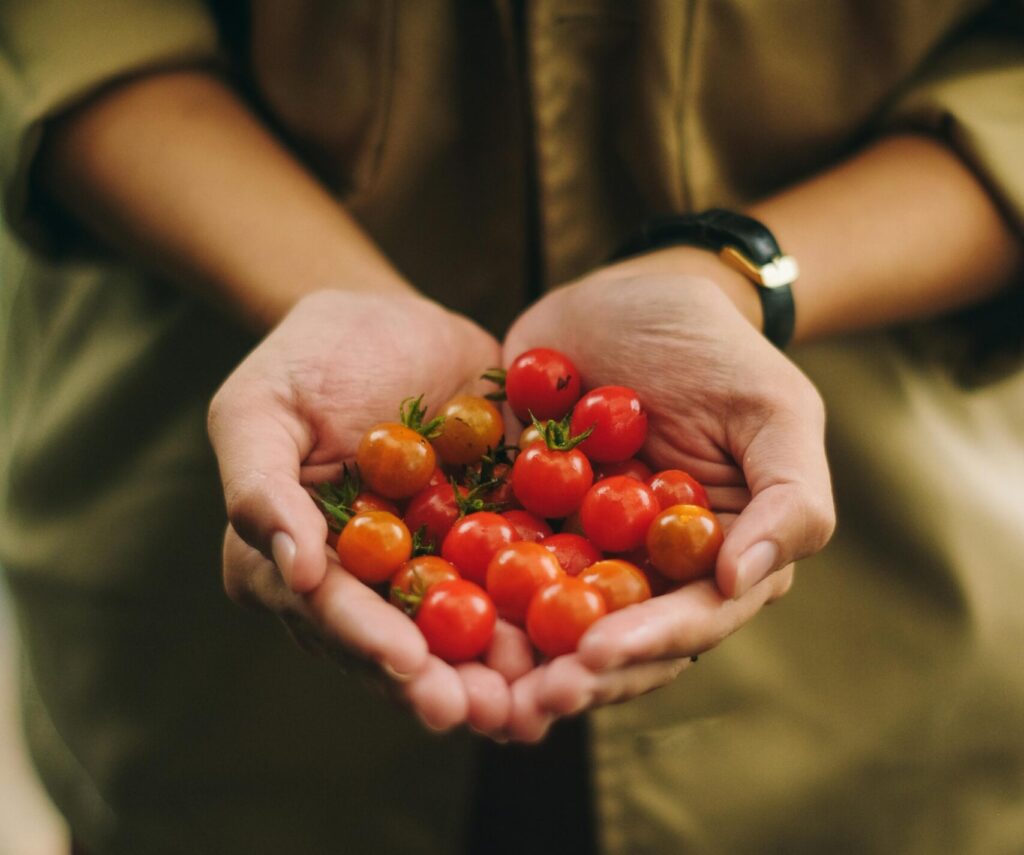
421,543
336,500
411,414
558,434
496,376
473,501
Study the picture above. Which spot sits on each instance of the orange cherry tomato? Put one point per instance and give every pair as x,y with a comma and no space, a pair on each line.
373,545
683,542
516,573
415,577
560,613
471,425
395,461
620,583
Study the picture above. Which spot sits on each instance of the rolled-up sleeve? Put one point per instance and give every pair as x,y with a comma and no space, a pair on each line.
56,53
971,95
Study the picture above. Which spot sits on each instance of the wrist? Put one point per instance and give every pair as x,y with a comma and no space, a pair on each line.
695,261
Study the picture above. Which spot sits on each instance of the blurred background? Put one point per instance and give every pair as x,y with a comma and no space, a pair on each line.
29,824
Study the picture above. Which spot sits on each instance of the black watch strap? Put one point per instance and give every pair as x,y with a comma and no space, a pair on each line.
741,242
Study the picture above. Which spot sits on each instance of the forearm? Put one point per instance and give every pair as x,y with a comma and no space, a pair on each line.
903,230
175,170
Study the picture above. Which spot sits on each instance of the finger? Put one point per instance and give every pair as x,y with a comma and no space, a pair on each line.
528,721
253,581
684,622
510,653
259,445
354,617
437,696
790,514
728,499
488,696
569,687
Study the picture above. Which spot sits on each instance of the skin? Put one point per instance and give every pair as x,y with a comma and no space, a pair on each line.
161,168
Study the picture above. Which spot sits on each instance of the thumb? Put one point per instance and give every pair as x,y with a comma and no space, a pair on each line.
790,514
259,445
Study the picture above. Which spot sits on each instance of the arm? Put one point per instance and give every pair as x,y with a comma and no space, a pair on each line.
175,170
901,231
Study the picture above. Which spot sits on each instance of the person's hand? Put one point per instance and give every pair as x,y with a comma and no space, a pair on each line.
287,418
725,406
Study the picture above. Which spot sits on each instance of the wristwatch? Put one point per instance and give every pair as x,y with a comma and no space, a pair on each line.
741,242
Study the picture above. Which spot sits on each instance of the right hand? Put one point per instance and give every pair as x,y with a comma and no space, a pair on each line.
288,417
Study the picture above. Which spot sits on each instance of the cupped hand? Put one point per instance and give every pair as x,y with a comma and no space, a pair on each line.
727,407
288,417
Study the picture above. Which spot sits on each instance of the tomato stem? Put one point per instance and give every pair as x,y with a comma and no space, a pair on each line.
496,376
411,414
558,434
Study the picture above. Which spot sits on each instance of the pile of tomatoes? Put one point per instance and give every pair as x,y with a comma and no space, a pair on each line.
549,534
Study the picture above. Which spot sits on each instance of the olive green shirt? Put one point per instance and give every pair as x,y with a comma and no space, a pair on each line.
877,708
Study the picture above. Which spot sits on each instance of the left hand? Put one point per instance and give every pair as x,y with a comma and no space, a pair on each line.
724,405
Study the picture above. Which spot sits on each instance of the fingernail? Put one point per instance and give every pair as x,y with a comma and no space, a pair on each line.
754,564
282,547
397,676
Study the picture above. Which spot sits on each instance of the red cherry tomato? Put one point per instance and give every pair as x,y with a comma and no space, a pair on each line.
560,613
543,382
633,468
529,526
675,487
617,512
516,573
371,502
437,478
395,461
618,420
457,619
373,545
683,542
550,483
472,541
417,576
434,509
620,583
471,425
574,552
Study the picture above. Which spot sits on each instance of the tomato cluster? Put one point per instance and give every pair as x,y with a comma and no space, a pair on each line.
462,527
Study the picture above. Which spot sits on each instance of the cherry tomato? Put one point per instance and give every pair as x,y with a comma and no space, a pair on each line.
617,512
560,613
417,576
434,509
472,541
551,483
373,545
529,436
620,583
529,526
471,425
574,552
618,420
457,619
371,502
683,542
395,461
516,573
633,468
437,478
675,487
543,382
